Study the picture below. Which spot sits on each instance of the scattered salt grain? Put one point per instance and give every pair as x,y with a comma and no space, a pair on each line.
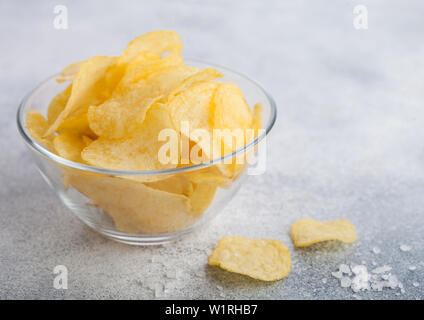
376,250
324,280
415,284
345,282
344,268
219,287
337,274
405,248
412,268
382,269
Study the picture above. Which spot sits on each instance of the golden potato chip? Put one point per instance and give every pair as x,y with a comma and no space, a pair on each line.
257,117
231,110
158,42
88,88
141,68
133,206
77,125
194,106
306,232
37,125
262,259
57,104
207,74
120,115
69,72
179,184
69,146
136,152
201,197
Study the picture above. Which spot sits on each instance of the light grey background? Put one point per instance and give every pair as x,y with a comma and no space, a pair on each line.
348,143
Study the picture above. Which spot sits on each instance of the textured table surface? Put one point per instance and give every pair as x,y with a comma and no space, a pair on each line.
348,143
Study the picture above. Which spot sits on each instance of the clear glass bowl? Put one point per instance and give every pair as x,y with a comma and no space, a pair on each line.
112,202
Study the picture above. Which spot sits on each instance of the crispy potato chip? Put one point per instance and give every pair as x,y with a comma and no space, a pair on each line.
77,125
207,74
134,206
257,118
306,232
141,68
122,114
88,88
69,146
178,184
136,152
262,259
231,110
193,105
201,197
158,42
37,125
57,104
68,74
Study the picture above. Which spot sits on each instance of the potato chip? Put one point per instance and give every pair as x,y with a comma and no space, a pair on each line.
57,104
231,110
136,152
78,125
68,74
133,206
201,197
88,87
207,74
178,184
122,114
69,146
306,232
37,125
262,259
158,42
193,105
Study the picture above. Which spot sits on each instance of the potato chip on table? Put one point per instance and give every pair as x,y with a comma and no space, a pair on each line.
306,232
262,259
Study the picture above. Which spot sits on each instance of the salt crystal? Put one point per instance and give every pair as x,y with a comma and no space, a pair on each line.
324,280
405,248
337,274
412,268
382,269
374,263
415,284
219,287
345,282
344,268
376,250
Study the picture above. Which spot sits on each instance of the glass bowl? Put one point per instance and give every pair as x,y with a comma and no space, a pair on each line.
115,203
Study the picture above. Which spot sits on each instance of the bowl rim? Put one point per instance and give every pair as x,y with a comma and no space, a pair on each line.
39,148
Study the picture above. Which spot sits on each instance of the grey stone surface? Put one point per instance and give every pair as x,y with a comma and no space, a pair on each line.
348,143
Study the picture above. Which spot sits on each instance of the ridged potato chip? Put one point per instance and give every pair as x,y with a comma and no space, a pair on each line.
306,232
262,259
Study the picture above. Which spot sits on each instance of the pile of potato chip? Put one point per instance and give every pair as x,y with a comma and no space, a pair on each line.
111,114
